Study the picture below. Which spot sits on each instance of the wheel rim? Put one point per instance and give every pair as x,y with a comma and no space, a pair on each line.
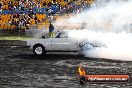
38,50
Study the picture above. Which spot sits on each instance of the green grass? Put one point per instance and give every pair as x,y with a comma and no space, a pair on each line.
14,38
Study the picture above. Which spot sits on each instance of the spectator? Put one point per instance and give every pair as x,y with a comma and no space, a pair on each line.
10,6
27,17
36,20
1,4
21,25
44,4
21,5
38,7
33,3
29,4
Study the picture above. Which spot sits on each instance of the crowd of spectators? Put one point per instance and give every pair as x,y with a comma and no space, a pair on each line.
73,7
24,11
28,6
23,21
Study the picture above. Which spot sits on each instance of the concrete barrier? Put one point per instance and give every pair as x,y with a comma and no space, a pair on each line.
12,43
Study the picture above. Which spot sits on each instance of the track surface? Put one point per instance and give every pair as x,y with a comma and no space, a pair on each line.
19,68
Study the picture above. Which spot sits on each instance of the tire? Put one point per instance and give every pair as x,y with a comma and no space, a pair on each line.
39,50
86,46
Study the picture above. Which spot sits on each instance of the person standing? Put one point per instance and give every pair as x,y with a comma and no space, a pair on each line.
51,29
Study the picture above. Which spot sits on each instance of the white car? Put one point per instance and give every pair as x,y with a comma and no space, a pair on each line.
60,43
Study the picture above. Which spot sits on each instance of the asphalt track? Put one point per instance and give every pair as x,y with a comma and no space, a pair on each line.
19,68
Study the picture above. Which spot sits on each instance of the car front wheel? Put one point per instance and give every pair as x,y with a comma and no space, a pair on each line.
39,50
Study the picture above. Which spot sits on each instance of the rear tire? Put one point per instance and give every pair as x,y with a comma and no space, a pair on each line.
39,50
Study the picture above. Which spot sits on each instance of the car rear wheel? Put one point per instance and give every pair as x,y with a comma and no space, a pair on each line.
39,50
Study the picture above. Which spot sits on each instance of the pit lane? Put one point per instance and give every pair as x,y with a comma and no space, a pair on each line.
19,68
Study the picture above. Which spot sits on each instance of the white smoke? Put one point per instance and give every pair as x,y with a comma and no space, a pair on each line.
116,46
109,24
114,16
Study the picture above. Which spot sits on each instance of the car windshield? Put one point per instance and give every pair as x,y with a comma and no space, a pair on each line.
62,35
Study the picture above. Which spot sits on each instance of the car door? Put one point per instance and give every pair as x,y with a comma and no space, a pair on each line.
47,43
60,42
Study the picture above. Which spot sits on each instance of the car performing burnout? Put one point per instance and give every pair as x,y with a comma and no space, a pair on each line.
60,43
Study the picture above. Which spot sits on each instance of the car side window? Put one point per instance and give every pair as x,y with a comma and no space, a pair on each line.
58,36
62,35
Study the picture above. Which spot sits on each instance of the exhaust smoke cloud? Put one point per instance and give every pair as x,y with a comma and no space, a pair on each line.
109,23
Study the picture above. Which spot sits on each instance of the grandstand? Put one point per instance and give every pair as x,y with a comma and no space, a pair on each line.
23,14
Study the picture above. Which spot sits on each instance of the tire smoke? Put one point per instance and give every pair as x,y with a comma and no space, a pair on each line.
110,24
115,46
